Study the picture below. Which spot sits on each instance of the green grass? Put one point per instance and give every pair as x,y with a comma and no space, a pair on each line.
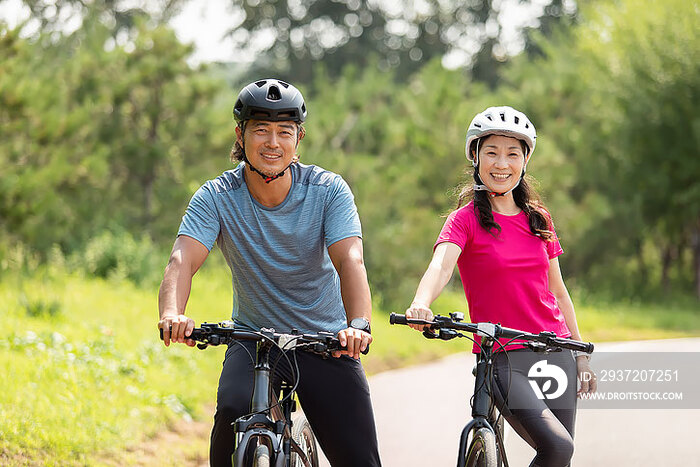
87,381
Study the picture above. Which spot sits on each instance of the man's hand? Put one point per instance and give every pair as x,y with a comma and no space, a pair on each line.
354,340
176,329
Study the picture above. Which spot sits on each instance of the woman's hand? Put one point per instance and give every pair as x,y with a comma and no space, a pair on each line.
419,311
589,382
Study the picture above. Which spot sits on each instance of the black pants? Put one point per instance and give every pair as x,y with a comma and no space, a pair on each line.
545,424
333,393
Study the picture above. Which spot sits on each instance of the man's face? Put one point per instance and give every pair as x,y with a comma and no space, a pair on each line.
269,146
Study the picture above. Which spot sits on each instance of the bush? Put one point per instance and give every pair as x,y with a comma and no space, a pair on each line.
120,255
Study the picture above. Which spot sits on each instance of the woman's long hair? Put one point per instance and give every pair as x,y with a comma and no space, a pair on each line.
526,198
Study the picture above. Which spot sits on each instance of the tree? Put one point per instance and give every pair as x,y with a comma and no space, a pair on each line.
98,136
119,16
293,35
616,95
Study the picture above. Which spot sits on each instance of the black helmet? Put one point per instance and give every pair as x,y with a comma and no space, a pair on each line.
271,100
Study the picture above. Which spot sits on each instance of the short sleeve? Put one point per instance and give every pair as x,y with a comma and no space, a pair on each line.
554,248
456,229
341,219
201,219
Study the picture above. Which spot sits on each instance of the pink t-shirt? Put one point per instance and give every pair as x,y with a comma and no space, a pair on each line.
505,277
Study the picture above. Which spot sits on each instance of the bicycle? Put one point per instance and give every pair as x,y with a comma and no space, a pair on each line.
267,436
487,448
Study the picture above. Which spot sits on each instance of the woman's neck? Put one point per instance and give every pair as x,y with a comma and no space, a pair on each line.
505,205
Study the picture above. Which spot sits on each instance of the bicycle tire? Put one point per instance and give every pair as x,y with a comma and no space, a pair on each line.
261,456
303,435
482,449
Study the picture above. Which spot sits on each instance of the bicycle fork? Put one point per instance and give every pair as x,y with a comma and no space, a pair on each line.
258,427
481,405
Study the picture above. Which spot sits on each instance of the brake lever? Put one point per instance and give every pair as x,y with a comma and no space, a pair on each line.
447,334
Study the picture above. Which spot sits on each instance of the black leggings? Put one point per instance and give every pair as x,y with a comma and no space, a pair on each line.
333,393
547,425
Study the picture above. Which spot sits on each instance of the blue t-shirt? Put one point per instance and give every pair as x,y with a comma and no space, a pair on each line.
282,275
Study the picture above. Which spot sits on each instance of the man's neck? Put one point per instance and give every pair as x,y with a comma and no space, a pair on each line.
268,194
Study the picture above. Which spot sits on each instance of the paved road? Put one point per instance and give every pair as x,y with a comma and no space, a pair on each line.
426,433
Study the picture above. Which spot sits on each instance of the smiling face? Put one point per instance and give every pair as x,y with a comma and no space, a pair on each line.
501,162
269,146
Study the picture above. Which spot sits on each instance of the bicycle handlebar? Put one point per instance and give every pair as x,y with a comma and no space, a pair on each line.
495,331
224,333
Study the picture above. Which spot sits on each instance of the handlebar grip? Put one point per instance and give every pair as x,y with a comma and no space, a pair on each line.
589,347
397,319
192,336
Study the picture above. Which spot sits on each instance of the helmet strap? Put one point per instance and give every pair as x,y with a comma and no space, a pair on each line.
267,178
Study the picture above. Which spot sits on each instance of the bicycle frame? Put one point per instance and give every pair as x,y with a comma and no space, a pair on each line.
482,403
266,425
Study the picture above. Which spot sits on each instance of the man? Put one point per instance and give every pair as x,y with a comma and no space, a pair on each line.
291,235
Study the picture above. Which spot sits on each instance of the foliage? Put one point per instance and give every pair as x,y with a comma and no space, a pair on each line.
103,140
293,37
616,98
121,16
120,255
96,135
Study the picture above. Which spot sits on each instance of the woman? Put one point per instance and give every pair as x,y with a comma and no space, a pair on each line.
503,242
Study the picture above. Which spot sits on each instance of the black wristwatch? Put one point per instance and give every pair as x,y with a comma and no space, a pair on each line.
362,324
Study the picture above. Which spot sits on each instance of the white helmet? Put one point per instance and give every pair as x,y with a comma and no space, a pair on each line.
505,121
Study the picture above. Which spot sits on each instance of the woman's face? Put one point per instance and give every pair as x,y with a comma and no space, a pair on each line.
501,162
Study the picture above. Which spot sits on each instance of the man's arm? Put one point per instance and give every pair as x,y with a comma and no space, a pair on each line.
186,258
348,258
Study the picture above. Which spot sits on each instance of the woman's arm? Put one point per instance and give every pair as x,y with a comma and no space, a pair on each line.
558,288
434,280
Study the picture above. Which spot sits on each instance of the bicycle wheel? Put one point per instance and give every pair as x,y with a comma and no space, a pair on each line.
304,437
482,450
261,456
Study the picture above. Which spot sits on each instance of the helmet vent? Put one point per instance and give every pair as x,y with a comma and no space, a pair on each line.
527,126
503,117
261,83
478,125
283,84
273,93
489,117
516,119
